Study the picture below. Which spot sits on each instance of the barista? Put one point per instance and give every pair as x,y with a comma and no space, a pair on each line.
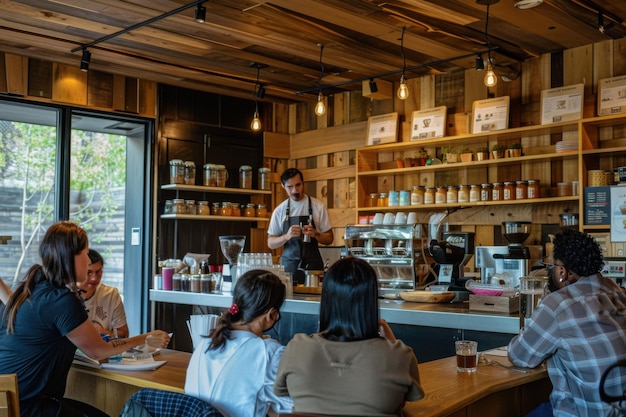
299,223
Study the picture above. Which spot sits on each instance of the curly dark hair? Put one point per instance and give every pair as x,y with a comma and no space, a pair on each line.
579,252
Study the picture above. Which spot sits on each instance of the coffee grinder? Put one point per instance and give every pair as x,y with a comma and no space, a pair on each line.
516,262
451,254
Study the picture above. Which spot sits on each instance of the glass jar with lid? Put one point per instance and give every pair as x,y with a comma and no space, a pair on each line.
486,192
226,209
245,176
383,200
167,208
508,191
215,208
210,175
429,195
441,195
177,171
452,195
190,173
264,178
373,200
417,195
190,206
222,175
235,209
203,208
521,190
474,193
261,210
497,192
463,195
178,206
250,210
533,189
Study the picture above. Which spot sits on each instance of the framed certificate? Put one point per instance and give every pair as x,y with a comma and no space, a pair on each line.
490,114
428,123
562,104
612,95
382,129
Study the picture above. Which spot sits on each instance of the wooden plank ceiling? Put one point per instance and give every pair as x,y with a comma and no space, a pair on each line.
360,38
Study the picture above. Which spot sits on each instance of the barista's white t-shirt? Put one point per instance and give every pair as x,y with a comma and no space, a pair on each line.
105,307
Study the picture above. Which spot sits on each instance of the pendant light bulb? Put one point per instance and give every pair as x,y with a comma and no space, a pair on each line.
320,106
256,122
490,77
403,90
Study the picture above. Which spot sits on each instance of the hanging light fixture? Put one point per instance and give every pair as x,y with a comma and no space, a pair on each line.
256,124
320,106
85,60
403,90
200,13
480,63
490,79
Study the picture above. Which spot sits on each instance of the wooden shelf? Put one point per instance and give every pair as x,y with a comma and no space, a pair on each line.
204,189
213,218
470,204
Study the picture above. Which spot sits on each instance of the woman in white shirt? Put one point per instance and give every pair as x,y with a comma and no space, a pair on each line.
234,369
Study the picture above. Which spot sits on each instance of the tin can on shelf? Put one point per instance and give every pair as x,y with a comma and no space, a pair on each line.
405,198
393,200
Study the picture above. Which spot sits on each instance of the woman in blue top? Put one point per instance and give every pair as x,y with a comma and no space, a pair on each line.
44,321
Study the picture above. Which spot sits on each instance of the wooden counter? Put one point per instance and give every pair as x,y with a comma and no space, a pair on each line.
493,391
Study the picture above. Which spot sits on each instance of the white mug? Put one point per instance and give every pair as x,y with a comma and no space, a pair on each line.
378,218
401,218
411,218
389,218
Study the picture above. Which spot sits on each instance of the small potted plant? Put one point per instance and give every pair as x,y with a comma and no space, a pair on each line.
466,155
482,154
422,157
449,154
515,149
497,151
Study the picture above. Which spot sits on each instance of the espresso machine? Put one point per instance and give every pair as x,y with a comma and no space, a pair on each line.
504,265
451,254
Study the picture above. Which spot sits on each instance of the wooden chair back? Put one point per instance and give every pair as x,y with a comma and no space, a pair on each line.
9,398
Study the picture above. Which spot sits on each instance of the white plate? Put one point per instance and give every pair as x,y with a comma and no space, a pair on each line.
141,366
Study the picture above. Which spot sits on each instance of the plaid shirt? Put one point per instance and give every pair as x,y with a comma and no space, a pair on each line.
160,403
580,330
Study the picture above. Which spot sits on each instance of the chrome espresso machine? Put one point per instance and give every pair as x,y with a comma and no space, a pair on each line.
504,265
390,250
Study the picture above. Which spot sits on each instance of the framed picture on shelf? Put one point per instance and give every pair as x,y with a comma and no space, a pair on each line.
428,123
612,95
490,114
562,104
382,129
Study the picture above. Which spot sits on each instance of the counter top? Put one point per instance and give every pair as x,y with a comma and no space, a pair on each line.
450,315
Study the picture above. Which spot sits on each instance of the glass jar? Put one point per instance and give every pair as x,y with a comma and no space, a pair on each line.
185,282
261,210
222,175
417,195
486,192
373,200
393,199
441,195
463,196
167,207
474,193
250,211
521,190
429,195
452,195
497,192
196,285
245,176
203,208
226,209
190,206
205,283
383,201
215,209
264,178
177,171
405,198
235,209
508,192
533,189
210,175
178,206
190,173
176,282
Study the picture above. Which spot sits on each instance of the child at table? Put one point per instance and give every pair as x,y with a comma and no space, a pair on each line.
235,367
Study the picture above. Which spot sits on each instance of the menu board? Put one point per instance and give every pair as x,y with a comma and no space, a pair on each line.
612,95
428,123
618,213
562,104
382,128
490,114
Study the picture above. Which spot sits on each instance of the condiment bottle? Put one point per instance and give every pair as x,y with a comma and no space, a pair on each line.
429,195
474,194
250,211
441,195
261,210
452,195
509,191
521,190
497,192
373,200
533,189
383,201
464,194
486,192
417,195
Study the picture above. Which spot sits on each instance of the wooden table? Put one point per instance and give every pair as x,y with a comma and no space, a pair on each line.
108,390
493,391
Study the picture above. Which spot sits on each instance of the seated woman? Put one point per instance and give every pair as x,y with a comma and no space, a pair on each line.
44,322
354,365
235,367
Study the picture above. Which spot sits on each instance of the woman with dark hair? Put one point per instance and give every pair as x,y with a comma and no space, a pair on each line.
354,365
579,330
235,367
44,321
